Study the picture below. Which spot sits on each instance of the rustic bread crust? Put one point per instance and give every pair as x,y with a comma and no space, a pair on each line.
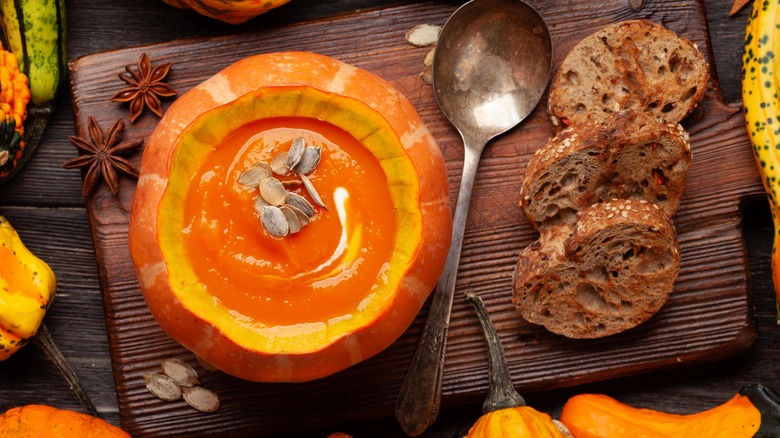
634,64
609,272
624,155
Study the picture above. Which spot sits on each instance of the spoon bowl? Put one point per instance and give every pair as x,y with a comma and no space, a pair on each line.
491,67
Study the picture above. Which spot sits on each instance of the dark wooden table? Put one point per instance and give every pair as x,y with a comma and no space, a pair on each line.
45,205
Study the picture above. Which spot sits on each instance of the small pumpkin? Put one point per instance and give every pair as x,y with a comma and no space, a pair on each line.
14,97
27,287
34,421
506,414
753,413
339,291
229,11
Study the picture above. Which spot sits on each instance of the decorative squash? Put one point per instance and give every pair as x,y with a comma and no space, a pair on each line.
753,412
27,287
339,291
34,421
14,97
506,415
229,11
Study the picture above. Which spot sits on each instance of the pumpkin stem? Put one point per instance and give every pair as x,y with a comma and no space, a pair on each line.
501,392
45,342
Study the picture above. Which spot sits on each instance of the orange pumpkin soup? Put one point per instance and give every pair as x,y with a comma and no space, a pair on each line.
325,272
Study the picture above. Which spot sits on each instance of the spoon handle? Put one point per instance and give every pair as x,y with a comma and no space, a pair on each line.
418,402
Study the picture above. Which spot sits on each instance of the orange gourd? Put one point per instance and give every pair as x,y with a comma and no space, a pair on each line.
337,292
229,11
34,421
754,412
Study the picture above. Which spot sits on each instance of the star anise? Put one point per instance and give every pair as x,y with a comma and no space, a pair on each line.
102,156
146,87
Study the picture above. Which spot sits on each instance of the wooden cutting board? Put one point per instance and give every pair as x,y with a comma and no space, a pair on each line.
707,318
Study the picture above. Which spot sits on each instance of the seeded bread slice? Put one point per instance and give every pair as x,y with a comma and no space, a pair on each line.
635,64
609,272
624,155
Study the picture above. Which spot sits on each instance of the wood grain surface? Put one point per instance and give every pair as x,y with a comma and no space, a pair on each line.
707,318
45,205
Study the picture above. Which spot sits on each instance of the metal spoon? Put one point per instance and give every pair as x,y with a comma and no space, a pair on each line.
491,67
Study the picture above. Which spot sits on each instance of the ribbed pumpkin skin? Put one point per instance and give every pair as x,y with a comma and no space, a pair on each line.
520,422
328,76
229,11
39,421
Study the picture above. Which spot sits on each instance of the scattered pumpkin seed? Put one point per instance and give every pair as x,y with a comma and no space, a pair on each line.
273,191
180,372
307,184
300,203
206,365
295,153
309,161
201,398
292,219
428,60
279,164
274,221
162,387
423,35
252,176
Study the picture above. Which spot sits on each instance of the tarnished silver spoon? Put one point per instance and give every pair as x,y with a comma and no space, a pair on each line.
491,67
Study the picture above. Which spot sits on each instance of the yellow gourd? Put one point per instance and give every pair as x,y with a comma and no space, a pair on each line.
27,287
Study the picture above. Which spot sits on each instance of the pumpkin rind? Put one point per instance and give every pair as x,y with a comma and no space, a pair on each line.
324,81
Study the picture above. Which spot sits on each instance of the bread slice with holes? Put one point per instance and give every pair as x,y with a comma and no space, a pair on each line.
623,155
634,64
609,272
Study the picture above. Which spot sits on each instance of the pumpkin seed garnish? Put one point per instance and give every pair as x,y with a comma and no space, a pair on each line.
259,204
295,153
279,164
252,176
180,372
300,203
292,219
303,219
282,212
201,398
274,221
162,387
273,191
312,191
309,161
291,183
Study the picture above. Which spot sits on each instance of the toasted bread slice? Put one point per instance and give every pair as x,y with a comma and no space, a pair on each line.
609,272
634,64
624,155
